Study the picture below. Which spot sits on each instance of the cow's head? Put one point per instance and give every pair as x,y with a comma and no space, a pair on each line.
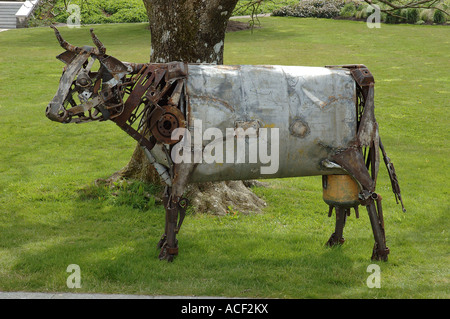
85,94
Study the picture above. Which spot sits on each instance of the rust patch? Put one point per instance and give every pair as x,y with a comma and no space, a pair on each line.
228,67
204,97
299,128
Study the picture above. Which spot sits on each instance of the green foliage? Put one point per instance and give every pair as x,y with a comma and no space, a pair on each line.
129,15
395,17
348,10
43,14
244,7
412,15
123,11
438,17
361,11
133,194
312,8
92,11
426,15
137,195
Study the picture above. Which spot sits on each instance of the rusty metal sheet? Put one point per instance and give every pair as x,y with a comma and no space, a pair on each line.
55,110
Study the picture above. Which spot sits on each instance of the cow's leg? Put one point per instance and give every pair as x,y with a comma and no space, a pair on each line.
175,206
341,217
375,211
353,161
166,196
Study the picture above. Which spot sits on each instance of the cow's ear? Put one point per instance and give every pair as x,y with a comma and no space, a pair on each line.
67,57
113,65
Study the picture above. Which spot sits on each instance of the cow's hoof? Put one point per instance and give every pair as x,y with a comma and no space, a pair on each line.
334,241
161,242
167,253
379,255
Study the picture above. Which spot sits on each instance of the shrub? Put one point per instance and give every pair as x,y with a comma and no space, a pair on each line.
244,7
404,13
128,15
362,12
395,17
348,10
312,8
94,11
438,17
426,15
412,15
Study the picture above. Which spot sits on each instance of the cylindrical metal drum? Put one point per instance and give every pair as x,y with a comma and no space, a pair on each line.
301,115
340,190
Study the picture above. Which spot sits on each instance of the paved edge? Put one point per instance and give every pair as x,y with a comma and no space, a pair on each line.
42,295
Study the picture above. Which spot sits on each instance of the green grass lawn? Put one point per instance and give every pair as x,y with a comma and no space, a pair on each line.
50,217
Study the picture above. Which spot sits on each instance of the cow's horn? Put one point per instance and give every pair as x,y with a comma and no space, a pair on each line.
98,44
64,44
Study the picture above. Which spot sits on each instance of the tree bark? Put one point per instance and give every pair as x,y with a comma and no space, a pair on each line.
192,31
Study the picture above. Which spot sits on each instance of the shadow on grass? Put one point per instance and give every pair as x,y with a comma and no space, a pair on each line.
115,248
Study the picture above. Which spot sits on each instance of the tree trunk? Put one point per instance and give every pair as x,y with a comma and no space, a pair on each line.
192,31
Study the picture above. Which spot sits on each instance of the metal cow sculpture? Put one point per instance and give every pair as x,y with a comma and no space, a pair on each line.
324,119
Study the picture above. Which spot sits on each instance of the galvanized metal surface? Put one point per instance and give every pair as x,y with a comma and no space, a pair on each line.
313,108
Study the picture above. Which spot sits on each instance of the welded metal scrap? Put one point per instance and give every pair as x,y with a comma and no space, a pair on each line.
318,121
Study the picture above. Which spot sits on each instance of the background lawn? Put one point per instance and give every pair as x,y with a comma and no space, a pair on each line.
51,215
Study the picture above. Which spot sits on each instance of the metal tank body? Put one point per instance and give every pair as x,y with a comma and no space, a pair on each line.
314,109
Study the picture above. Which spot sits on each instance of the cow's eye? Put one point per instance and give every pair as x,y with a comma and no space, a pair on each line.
83,80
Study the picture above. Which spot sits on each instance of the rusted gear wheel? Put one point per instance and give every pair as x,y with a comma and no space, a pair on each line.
164,123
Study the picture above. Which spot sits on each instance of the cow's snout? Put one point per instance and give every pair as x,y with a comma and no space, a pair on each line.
55,112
